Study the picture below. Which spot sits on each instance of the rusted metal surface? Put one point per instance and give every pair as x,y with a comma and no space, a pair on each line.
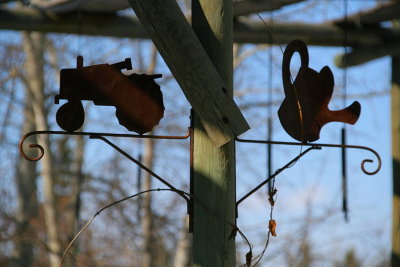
102,137
305,110
376,170
312,146
191,170
137,98
41,150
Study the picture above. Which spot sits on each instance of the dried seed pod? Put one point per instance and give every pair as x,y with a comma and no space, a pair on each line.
272,227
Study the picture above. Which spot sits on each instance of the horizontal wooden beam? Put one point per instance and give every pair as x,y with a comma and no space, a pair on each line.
65,6
245,31
32,19
361,55
192,68
312,34
381,12
247,7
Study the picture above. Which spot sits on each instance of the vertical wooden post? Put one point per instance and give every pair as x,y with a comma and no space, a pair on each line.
214,168
395,98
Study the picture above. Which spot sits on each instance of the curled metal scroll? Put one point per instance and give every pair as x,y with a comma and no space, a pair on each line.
379,162
41,149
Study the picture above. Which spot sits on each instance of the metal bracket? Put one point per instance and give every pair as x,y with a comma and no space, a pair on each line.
189,198
102,137
312,146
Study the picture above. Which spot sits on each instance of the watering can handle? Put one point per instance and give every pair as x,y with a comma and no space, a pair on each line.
294,46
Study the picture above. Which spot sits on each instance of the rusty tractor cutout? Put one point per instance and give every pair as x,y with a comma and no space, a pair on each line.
137,98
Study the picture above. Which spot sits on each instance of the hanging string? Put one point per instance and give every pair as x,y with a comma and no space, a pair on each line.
343,132
345,44
271,185
272,36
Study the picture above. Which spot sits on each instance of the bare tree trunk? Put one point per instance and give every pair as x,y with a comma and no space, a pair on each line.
27,203
183,255
34,65
147,218
72,211
149,254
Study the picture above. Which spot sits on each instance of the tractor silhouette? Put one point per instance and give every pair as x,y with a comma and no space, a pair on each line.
137,98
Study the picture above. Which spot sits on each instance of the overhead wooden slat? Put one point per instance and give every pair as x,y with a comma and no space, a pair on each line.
247,7
192,68
313,34
380,13
65,6
361,55
245,31
368,43
32,19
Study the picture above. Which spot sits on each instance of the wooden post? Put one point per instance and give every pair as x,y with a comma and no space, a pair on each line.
395,106
193,70
214,167
395,98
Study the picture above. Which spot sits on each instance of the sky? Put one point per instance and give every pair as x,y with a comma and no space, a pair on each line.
315,180
311,188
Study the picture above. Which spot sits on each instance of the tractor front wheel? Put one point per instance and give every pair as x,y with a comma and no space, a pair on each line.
70,116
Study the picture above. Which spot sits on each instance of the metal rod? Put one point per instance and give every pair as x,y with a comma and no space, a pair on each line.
379,163
180,192
344,158
344,177
41,150
191,172
139,188
101,136
278,171
269,156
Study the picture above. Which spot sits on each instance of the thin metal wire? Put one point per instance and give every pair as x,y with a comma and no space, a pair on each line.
379,163
259,257
278,171
299,107
98,213
158,177
101,136
269,121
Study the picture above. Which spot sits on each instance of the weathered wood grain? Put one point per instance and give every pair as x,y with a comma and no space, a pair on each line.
192,68
214,167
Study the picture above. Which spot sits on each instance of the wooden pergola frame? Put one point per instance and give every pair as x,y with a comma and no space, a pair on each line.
366,37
